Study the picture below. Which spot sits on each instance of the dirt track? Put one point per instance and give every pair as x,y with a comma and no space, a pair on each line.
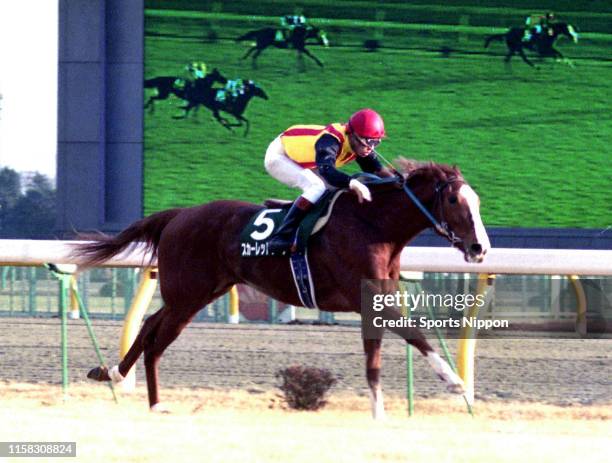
247,356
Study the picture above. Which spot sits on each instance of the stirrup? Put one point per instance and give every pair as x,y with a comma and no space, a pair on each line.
281,248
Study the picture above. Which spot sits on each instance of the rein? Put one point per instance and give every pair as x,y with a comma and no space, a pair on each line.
442,226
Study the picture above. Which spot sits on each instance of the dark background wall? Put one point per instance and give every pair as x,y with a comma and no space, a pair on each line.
100,128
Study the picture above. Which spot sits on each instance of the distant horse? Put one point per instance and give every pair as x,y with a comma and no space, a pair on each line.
165,86
234,105
180,87
542,44
297,40
199,259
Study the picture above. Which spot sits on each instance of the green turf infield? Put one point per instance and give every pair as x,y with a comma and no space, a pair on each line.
534,144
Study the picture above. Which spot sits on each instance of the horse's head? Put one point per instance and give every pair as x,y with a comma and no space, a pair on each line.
311,32
565,29
320,35
453,206
251,88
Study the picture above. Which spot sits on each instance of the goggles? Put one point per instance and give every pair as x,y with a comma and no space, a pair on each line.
368,142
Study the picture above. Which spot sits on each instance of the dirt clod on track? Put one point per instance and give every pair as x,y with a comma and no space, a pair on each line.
556,371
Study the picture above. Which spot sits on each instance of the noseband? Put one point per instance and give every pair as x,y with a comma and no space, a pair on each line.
441,226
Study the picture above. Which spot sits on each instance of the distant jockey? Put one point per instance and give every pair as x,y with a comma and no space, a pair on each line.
196,69
288,23
537,24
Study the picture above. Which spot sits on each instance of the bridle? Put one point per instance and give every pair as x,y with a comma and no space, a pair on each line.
441,226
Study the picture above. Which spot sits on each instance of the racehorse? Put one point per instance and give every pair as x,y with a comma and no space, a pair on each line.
165,86
199,259
297,39
234,105
180,87
542,44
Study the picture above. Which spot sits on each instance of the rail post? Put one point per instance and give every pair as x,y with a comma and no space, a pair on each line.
131,325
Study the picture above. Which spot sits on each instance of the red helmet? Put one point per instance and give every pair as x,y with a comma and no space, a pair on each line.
367,123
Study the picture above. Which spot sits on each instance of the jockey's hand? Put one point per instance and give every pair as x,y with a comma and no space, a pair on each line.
360,190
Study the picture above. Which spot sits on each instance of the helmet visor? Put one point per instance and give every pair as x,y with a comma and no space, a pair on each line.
368,142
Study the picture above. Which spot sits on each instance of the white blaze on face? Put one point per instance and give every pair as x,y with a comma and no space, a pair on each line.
471,198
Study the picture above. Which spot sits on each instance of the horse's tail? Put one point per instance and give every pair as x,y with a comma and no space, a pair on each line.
103,247
490,38
252,35
150,83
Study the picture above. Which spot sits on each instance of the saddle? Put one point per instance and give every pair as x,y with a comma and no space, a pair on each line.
255,235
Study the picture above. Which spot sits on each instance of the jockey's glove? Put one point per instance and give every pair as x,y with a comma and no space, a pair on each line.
360,190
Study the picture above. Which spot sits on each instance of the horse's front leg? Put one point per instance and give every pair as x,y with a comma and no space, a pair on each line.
524,56
248,52
223,121
313,57
372,348
255,56
562,59
243,121
415,337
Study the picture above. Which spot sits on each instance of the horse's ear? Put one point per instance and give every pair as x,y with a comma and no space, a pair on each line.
407,166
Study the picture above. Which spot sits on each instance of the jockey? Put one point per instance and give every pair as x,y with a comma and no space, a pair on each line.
196,69
288,23
537,24
292,21
306,157
233,88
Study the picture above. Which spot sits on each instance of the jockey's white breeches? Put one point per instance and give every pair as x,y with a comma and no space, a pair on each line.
287,171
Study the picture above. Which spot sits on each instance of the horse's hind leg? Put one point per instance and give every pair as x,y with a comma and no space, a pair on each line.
126,364
172,322
372,348
527,60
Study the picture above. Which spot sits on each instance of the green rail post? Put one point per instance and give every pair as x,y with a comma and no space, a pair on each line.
92,335
410,379
272,310
409,364
447,354
66,285
32,291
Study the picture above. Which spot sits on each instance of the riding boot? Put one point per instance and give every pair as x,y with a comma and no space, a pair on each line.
282,240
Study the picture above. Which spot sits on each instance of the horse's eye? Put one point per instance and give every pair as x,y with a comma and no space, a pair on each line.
452,199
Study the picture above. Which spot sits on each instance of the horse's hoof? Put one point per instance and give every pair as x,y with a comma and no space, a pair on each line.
99,374
456,389
160,408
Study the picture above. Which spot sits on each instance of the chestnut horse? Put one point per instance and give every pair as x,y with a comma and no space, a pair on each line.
199,259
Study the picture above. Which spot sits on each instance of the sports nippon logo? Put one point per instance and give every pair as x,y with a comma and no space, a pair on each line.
386,305
509,306
443,304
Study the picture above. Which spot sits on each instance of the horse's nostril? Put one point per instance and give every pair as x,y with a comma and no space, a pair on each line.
476,248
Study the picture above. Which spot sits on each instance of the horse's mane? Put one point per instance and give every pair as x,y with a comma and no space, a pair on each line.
412,168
